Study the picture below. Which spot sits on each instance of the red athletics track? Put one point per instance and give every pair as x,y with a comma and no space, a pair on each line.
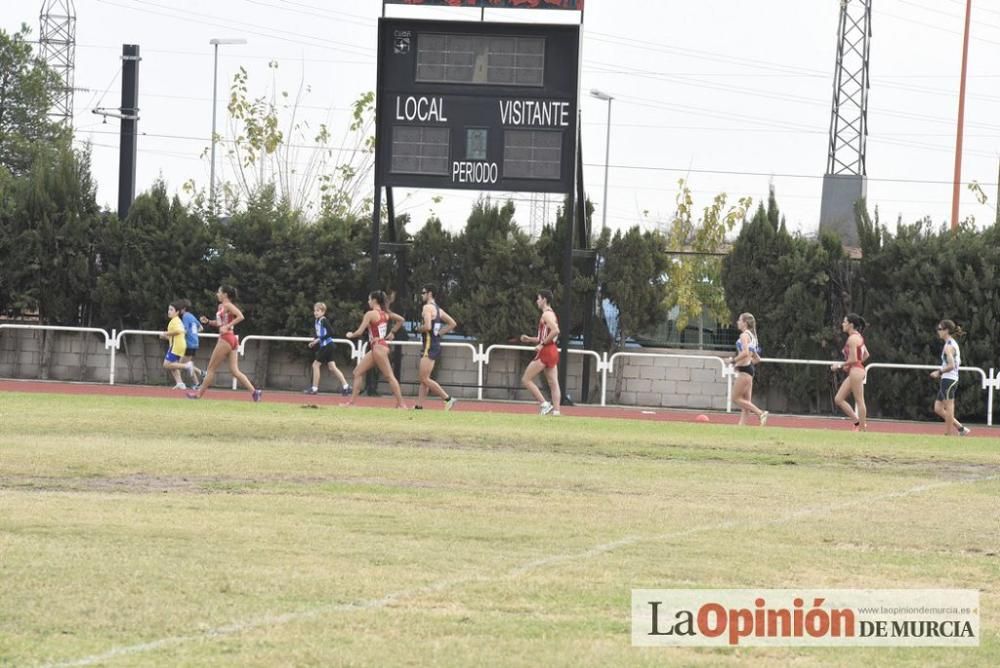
333,400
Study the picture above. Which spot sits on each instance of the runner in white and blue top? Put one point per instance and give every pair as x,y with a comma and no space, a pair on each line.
324,346
951,360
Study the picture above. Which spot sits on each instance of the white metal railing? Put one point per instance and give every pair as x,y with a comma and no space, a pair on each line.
119,336
989,380
601,363
289,339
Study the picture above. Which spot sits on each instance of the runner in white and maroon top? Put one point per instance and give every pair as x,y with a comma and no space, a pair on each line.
546,356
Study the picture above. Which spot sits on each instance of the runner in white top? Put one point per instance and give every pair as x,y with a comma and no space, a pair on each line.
951,360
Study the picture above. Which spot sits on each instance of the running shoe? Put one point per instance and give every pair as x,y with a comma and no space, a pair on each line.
180,386
345,391
191,395
763,418
310,391
545,408
555,413
964,431
256,394
448,405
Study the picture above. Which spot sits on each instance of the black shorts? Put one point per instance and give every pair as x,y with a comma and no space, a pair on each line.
947,389
748,370
324,354
191,352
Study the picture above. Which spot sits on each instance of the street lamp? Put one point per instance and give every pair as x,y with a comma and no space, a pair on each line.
601,95
215,84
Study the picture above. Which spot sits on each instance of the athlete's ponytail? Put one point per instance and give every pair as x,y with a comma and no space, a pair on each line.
750,322
229,291
378,296
953,330
857,321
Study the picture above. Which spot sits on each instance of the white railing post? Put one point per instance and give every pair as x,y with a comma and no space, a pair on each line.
479,373
994,381
730,373
113,345
604,378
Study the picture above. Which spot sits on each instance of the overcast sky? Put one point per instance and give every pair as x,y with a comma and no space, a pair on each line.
731,94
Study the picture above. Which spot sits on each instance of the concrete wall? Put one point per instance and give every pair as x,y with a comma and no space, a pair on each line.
694,383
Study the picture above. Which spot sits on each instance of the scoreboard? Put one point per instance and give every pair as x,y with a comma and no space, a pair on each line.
475,105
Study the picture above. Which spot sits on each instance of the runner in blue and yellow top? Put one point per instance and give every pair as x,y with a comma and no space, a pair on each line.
177,346
323,344
434,323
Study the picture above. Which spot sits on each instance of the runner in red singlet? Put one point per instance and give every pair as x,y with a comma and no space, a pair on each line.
377,322
855,355
546,357
227,347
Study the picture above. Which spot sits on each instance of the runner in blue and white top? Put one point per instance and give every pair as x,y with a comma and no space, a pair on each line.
323,343
951,360
434,323
747,355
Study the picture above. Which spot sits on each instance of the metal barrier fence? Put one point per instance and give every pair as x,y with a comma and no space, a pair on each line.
989,380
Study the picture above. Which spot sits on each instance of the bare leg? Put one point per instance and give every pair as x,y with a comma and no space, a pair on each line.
741,397
337,373
219,354
316,367
428,384
841,400
382,361
528,380
552,377
857,378
234,368
360,370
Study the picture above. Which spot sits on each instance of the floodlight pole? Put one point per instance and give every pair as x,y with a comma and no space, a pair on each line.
600,95
957,186
215,42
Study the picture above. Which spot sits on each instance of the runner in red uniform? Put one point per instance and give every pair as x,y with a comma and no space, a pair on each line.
855,355
546,357
227,347
377,322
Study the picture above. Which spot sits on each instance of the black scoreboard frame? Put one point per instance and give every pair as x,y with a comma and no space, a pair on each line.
525,124
550,106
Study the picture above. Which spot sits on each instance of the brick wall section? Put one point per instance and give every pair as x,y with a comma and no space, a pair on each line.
646,381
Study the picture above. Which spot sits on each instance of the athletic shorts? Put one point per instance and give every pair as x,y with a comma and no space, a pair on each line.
748,370
170,357
548,355
191,352
433,352
231,339
324,354
947,389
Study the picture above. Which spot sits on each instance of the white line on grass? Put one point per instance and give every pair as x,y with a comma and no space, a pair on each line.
597,550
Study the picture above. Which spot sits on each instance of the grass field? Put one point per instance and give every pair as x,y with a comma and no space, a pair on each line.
150,532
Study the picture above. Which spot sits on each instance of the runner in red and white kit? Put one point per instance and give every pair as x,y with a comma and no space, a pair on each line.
227,347
377,321
547,356
855,355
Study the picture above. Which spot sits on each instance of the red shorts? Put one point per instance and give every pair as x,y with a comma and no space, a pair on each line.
548,355
231,339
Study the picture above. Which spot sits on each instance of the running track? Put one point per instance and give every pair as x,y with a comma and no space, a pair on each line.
655,414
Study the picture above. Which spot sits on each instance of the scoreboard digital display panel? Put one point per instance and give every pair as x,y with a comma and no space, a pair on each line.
478,106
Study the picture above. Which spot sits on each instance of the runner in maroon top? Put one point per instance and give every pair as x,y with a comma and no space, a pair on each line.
855,355
546,356
227,347
377,321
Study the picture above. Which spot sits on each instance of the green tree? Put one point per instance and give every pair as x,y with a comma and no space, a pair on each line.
51,222
694,281
161,252
26,95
